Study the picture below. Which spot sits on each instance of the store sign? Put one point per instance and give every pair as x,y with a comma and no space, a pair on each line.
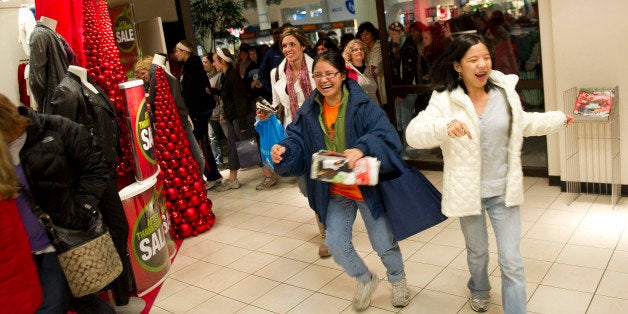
340,10
141,127
122,21
150,244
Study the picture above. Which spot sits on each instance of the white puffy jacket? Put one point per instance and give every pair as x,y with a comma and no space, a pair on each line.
462,157
279,83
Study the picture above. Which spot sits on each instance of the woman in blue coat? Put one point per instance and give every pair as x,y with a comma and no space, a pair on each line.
339,116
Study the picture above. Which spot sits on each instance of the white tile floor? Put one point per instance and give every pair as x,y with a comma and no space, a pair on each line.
261,256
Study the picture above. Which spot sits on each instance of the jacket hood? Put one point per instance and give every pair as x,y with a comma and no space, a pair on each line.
37,122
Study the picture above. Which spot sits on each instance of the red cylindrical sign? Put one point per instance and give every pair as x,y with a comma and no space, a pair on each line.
149,240
141,128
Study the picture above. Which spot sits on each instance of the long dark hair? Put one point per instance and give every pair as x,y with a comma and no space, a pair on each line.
444,75
334,58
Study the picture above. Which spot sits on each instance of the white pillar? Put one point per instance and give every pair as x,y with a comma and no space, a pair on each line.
262,15
365,11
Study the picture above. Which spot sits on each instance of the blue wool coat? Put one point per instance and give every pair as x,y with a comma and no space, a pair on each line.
366,127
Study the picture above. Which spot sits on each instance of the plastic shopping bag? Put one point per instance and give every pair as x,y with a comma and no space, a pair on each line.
270,133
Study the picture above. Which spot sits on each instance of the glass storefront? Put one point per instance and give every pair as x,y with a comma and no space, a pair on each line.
511,26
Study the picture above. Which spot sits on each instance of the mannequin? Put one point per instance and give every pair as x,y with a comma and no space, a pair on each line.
49,61
161,61
50,23
82,74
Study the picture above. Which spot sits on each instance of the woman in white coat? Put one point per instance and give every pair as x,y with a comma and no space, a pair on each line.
476,117
291,80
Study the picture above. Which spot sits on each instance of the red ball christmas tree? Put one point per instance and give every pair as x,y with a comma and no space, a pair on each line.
183,188
102,61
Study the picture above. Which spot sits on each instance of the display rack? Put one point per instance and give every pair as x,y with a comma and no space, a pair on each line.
592,147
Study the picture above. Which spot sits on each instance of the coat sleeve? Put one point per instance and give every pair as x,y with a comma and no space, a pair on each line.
295,161
38,80
85,156
542,123
241,102
379,138
276,102
429,128
65,103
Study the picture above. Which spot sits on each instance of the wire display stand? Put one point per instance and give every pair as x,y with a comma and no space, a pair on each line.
592,148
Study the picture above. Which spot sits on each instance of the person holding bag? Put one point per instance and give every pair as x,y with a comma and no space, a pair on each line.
61,167
475,116
20,291
238,116
339,116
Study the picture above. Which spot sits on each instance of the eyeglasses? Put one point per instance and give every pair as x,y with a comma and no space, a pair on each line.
356,49
328,76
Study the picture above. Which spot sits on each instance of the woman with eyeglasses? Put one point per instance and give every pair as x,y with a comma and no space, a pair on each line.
292,84
340,117
355,54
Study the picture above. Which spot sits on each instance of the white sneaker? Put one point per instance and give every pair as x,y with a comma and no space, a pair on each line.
228,185
210,184
267,183
400,293
362,298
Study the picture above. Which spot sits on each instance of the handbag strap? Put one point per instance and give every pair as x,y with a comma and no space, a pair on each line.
398,163
44,219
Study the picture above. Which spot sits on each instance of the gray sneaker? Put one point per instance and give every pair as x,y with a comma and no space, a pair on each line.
210,184
266,183
479,304
228,185
400,294
362,298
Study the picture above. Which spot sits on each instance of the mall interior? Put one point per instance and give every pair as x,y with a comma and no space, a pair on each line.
259,253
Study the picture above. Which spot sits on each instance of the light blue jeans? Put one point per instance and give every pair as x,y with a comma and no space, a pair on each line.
341,214
506,222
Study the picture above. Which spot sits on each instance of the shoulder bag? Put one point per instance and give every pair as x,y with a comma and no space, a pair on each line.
88,257
411,202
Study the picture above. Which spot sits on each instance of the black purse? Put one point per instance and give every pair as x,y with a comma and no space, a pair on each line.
88,257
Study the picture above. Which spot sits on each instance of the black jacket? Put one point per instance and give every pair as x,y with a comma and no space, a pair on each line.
233,94
194,82
175,90
78,103
48,64
64,168
404,65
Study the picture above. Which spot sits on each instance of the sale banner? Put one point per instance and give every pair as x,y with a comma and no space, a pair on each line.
149,239
140,127
124,32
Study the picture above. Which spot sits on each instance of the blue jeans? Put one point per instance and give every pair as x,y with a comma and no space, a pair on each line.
214,141
404,111
53,284
57,297
506,222
341,213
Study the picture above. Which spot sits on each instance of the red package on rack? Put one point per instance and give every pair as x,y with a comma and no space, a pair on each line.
594,102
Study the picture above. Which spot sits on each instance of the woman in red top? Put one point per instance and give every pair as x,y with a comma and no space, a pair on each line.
20,291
